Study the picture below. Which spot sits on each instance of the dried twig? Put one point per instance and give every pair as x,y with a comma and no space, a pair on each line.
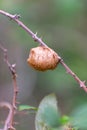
7,122
39,40
14,75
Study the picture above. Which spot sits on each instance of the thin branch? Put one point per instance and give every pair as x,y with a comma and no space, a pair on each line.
16,19
39,40
69,71
11,67
15,89
7,121
14,99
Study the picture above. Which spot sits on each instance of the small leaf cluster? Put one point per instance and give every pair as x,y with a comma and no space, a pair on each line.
48,116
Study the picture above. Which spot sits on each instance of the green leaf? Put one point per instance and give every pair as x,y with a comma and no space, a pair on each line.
48,115
26,107
79,117
64,119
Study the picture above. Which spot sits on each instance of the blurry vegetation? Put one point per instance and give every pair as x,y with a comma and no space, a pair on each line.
62,24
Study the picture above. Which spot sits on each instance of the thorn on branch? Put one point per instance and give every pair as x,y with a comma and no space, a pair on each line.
12,68
17,16
82,83
35,37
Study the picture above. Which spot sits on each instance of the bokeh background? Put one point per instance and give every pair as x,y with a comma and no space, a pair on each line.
62,24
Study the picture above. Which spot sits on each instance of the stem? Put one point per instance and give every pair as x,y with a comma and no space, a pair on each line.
7,122
14,99
15,90
39,40
69,71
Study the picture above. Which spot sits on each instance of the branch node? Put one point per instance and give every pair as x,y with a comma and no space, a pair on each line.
12,69
16,16
82,83
14,106
13,66
11,128
35,37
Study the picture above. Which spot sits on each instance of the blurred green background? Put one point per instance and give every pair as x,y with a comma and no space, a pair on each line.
62,24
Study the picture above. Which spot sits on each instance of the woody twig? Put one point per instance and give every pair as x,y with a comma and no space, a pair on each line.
12,107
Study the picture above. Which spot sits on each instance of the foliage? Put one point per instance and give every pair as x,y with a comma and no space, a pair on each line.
26,107
79,117
48,116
